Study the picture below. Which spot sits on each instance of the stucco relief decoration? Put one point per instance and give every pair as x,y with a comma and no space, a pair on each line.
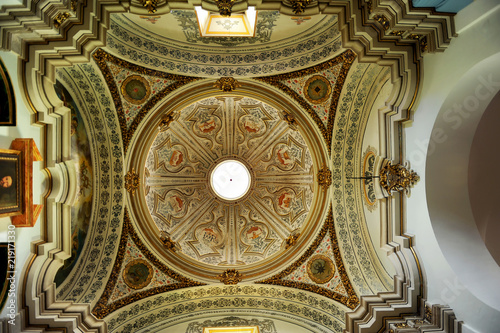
317,89
132,181
397,177
183,202
230,276
135,89
320,269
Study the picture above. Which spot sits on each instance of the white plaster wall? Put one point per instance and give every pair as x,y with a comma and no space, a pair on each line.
24,129
478,26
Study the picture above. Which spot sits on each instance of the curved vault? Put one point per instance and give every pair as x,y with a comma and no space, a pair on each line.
369,36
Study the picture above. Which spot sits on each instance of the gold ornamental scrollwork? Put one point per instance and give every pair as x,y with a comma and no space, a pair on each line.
167,120
225,6
132,181
290,120
299,6
291,240
324,177
383,21
227,84
397,177
151,5
60,18
168,242
231,276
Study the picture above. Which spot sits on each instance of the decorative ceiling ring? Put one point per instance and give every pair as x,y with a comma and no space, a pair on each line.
145,136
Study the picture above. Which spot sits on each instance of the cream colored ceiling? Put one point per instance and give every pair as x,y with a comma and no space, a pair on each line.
171,43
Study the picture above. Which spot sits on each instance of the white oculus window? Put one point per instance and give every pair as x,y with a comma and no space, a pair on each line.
230,180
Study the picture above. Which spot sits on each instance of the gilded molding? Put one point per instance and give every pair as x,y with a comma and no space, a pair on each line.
101,57
230,276
132,181
103,308
150,5
299,6
351,301
384,21
224,6
60,18
168,242
324,177
291,240
227,84
167,120
290,120
397,177
346,58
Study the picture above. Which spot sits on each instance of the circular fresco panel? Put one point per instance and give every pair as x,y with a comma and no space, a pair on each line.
135,89
320,268
137,274
317,89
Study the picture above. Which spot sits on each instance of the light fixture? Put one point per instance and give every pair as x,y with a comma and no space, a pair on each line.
217,25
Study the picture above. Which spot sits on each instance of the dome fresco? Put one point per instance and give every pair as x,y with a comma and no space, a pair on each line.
208,228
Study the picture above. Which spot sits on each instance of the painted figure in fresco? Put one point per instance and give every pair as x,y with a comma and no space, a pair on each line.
284,200
209,236
207,126
254,232
176,158
251,126
284,157
137,274
175,203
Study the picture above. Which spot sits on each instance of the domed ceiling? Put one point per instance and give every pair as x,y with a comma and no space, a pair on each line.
180,193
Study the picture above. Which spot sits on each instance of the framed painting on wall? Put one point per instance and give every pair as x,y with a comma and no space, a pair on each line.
7,99
11,182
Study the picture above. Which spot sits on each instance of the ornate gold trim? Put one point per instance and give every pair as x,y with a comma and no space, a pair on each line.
123,89
231,276
310,269
351,301
151,5
291,240
60,18
224,6
103,308
167,120
383,21
397,177
143,284
299,6
168,242
101,57
290,120
132,181
227,84
324,177
346,58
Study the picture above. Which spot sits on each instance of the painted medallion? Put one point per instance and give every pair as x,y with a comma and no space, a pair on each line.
320,268
137,274
317,89
135,89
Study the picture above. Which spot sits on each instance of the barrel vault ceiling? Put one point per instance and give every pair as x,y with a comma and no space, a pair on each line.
147,245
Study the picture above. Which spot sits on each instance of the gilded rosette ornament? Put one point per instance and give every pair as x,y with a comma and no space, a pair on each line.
324,177
132,181
226,84
397,177
231,276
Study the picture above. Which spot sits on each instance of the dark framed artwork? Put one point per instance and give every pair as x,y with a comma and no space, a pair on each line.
7,99
11,182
